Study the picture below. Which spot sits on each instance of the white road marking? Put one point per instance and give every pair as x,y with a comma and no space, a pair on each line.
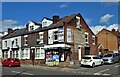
117,66
103,70
22,73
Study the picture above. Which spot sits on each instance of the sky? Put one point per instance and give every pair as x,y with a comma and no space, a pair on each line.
98,15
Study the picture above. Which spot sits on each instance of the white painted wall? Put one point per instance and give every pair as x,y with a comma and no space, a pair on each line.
9,44
32,24
48,22
51,35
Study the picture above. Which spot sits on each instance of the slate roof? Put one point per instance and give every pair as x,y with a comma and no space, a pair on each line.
60,23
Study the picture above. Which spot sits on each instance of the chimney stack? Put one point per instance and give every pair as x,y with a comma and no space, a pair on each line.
55,19
10,30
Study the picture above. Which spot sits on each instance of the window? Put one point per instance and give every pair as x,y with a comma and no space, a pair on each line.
25,54
16,54
78,20
93,39
5,43
13,54
55,35
32,27
6,54
69,35
16,42
25,40
42,54
86,37
41,37
37,53
44,23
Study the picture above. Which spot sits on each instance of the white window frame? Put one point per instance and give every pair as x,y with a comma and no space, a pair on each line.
31,27
5,43
26,36
24,52
87,38
69,35
41,37
54,36
78,22
42,53
38,53
93,37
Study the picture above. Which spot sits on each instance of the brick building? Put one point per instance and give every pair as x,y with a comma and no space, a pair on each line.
109,40
60,39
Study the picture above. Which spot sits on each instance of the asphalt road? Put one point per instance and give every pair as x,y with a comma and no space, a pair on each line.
105,70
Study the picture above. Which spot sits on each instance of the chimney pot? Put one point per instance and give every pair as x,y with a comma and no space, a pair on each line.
10,30
55,19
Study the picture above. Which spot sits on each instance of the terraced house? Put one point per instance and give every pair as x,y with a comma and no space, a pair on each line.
58,39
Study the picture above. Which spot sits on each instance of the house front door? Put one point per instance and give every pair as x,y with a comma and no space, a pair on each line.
79,53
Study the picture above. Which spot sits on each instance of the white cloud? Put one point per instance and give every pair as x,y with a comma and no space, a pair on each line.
106,18
88,21
98,28
11,24
63,6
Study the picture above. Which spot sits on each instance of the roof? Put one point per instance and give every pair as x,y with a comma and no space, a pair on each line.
60,23
116,33
15,33
36,23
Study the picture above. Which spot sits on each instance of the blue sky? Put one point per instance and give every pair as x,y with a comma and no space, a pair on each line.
17,14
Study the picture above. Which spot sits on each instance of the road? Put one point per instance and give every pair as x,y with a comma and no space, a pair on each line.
105,70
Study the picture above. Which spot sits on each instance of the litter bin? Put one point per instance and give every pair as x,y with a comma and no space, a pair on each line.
54,62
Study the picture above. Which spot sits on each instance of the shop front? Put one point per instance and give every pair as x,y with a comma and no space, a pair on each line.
55,55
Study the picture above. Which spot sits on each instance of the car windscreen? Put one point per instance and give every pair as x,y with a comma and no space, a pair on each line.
96,57
16,60
86,57
108,55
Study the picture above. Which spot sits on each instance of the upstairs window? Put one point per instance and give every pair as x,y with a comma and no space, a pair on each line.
32,27
25,40
16,42
5,43
44,23
78,22
41,35
55,35
93,39
86,37
69,35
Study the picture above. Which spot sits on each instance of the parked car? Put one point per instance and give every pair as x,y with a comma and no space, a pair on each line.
11,62
91,60
111,58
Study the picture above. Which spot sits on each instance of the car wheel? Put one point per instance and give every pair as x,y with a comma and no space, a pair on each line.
81,65
101,63
93,65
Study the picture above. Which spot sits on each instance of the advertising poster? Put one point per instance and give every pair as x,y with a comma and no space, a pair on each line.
49,57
